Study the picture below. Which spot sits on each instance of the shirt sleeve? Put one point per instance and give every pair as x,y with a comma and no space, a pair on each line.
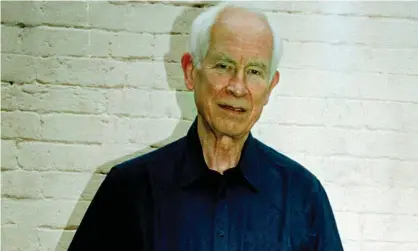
327,237
104,218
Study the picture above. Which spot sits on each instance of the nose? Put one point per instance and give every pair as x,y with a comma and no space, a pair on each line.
237,86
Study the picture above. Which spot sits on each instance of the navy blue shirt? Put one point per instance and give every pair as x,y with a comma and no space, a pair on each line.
169,200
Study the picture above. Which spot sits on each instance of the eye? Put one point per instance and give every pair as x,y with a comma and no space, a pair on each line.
222,66
254,72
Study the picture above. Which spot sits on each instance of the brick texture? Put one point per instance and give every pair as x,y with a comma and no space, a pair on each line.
86,85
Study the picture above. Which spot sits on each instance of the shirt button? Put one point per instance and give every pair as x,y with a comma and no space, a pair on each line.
221,233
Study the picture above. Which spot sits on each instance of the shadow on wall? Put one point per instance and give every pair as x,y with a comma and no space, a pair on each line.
181,23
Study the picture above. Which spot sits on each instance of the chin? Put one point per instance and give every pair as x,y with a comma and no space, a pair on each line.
226,125
230,128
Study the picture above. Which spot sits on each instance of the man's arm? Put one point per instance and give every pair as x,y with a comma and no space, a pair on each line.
101,226
324,224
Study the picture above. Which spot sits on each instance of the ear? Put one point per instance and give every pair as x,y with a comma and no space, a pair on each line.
273,84
187,66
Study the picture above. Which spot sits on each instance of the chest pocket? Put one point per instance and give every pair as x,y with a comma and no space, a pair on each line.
298,235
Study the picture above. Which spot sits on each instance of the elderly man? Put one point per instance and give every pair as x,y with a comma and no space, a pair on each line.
218,188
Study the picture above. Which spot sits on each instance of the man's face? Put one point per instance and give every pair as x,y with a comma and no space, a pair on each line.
232,86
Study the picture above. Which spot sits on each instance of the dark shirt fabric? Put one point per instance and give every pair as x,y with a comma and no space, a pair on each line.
169,200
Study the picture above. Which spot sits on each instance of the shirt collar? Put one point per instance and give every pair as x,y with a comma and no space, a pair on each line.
195,164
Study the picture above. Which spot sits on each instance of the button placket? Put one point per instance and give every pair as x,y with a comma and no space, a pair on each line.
221,226
221,233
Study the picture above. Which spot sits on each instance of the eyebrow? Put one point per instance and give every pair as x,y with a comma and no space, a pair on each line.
226,58
258,64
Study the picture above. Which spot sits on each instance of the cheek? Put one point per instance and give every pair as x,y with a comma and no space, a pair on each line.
217,79
205,92
258,95
214,84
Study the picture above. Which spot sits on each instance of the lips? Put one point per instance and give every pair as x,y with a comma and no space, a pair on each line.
232,108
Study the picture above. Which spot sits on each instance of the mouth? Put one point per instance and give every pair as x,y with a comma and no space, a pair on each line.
232,108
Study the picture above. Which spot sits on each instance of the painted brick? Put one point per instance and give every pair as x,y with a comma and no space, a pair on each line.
289,139
147,131
407,246
322,141
77,71
64,185
403,85
43,213
111,154
77,128
382,144
120,44
380,246
344,108
167,130
374,115
46,98
89,190
119,130
169,108
351,171
169,76
290,110
95,72
179,130
51,13
353,30
383,200
8,155
51,239
21,184
42,156
132,102
389,228
175,105
45,41
20,125
368,8
404,173
18,68
283,24
328,84
391,116
18,237
350,245
349,225
135,17
187,105
275,6
170,47
350,58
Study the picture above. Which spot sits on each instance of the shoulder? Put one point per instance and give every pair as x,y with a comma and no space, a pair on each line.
159,155
138,168
301,187
295,174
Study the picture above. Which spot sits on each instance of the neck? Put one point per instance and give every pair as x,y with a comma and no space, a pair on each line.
221,152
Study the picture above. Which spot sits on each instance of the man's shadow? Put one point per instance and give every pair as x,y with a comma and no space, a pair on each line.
176,84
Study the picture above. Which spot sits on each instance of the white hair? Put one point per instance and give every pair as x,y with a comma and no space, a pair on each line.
201,30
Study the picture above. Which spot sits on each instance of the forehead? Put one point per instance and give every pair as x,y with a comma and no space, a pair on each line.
242,34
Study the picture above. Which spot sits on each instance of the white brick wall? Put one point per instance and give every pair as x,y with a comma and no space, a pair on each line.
86,85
